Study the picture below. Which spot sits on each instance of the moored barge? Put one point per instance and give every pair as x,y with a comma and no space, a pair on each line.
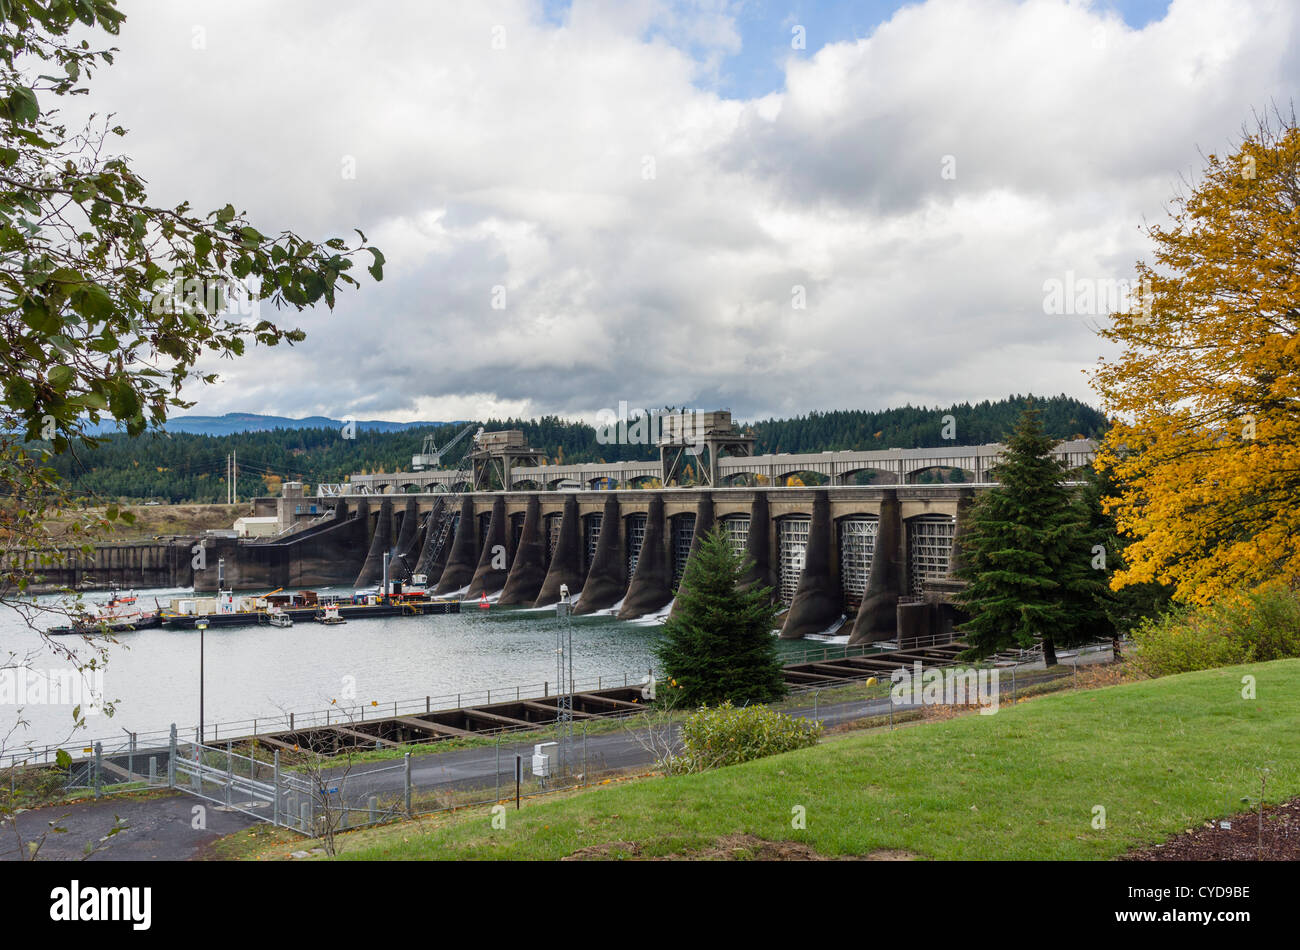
227,609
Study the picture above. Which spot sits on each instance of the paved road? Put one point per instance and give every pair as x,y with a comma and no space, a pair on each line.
157,828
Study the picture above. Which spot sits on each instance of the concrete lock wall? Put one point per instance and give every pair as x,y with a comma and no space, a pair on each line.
122,564
868,550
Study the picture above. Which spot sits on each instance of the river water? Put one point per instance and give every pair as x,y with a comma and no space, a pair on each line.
259,672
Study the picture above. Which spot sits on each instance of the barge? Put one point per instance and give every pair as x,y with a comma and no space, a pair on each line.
227,609
123,612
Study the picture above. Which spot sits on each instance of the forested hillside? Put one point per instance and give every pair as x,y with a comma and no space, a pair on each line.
182,467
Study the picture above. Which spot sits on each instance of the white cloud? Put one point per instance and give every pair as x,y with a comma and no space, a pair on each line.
523,167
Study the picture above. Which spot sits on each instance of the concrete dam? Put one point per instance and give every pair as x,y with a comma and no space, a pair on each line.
879,555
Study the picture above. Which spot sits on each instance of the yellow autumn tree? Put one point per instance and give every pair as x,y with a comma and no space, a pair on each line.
1205,390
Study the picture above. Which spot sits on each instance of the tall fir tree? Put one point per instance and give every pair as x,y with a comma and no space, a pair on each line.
1030,555
718,643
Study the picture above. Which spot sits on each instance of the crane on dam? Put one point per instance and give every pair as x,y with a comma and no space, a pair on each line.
439,529
431,456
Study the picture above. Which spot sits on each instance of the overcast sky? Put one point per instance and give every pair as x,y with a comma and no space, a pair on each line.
652,183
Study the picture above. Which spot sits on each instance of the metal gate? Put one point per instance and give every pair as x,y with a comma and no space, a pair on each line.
594,522
683,532
553,523
794,548
857,544
635,538
259,789
737,531
929,540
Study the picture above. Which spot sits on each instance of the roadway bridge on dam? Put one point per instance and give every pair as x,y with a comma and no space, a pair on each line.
886,466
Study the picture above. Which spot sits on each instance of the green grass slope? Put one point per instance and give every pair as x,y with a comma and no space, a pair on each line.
1160,756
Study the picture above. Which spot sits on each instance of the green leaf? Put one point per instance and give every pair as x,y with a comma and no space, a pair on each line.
377,268
60,377
94,302
123,400
23,105
90,400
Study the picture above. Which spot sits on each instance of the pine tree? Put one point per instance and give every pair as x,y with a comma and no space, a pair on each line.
1028,555
718,643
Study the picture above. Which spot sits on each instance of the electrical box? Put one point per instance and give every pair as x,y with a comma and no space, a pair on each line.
544,758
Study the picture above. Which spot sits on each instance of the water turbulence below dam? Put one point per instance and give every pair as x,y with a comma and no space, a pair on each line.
258,671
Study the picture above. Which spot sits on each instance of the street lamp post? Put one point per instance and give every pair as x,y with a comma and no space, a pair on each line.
202,626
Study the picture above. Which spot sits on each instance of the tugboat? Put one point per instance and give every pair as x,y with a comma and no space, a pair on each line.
329,615
121,613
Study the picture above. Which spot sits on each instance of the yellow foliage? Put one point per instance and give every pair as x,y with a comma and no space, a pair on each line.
1205,391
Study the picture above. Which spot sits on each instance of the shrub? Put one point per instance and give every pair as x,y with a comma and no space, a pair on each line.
728,735
1251,628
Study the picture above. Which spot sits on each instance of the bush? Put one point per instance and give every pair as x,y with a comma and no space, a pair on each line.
1252,628
727,735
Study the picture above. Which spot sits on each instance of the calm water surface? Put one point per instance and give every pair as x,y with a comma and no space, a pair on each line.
257,671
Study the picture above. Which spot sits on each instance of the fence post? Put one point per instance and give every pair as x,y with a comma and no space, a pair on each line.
498,768
171,759
99,766
275,809
373,804
519,776
230,775
1013,683
290,722
586,776
426,704
407,761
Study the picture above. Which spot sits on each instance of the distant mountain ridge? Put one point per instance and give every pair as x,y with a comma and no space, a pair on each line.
235,422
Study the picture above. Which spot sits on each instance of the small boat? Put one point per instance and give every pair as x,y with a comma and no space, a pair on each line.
278,618
329,615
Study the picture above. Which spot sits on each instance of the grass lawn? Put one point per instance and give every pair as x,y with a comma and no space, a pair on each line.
1160,756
